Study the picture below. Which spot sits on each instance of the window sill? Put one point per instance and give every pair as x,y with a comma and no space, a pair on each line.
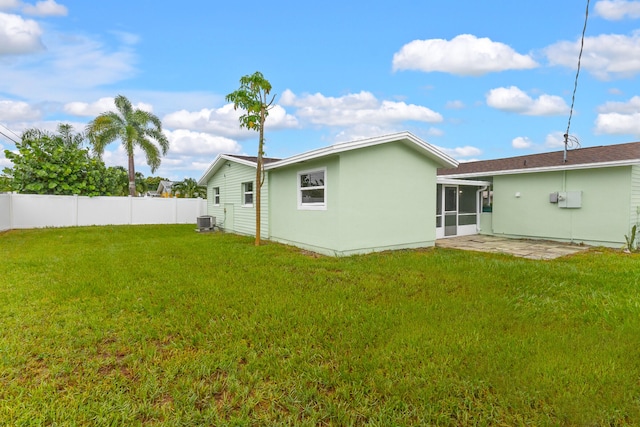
312,207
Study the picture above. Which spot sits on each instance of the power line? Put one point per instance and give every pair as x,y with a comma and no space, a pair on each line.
5,126
575,85
7,136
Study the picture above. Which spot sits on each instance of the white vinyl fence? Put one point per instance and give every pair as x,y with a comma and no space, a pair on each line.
36,211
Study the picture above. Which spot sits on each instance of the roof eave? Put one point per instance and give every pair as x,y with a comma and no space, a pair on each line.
429,150
545,169
217,164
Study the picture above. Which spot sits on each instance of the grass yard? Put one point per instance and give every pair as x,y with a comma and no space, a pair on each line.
159,325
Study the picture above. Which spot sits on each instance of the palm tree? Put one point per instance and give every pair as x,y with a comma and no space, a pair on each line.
134,128
189,189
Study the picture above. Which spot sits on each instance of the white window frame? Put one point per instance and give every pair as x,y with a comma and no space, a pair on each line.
216,196
245,192
312,206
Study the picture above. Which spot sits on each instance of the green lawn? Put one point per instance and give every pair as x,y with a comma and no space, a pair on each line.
160,325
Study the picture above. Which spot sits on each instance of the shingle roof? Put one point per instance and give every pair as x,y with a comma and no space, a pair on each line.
580,156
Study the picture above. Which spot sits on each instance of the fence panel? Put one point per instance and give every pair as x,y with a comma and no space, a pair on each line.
31,211
5,212
104,210
35,211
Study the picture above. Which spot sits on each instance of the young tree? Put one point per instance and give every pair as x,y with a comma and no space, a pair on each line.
134,128
253,98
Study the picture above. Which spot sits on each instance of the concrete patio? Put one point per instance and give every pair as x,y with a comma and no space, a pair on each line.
532,249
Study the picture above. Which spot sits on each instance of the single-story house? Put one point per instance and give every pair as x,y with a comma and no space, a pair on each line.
383,193
586,195
355,197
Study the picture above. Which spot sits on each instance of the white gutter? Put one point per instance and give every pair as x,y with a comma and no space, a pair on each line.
454,181
545,169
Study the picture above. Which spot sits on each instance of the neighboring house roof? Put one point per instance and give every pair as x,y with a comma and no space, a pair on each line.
164,187
581,158
271,163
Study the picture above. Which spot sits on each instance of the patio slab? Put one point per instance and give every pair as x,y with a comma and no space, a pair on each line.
532,249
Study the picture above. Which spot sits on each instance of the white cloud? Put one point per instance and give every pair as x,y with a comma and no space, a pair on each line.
14,111
188,151
221,121
631,106
45,8
461,152
4,162
70,67
464,55
514,100
18,35
618,124
605,56
455,105
224,121
554,140
9,4
616,10
619,118
100,106
356,109
521,142
186,142
126,37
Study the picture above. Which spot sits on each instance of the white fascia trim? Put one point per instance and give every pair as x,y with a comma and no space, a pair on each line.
453,181
218,162
547,169
354,145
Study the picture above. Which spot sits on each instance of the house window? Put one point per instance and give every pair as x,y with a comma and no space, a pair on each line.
247,194
312,189
216,196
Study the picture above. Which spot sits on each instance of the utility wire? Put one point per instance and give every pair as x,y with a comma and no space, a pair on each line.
5,126
7,136
575,86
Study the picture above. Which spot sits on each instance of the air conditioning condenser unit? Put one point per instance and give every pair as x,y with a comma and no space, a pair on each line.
206,223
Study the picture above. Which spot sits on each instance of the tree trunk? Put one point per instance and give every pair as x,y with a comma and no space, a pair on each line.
132,177
259,174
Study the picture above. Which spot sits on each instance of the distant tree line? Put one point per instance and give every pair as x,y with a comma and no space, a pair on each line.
58,163
67,162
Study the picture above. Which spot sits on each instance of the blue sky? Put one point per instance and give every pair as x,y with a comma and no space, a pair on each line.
479,80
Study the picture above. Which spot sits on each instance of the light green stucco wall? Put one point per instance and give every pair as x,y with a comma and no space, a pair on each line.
635,196
229,179
380,197
603,218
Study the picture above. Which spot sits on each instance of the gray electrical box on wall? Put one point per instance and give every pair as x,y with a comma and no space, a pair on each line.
553,197
570,199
